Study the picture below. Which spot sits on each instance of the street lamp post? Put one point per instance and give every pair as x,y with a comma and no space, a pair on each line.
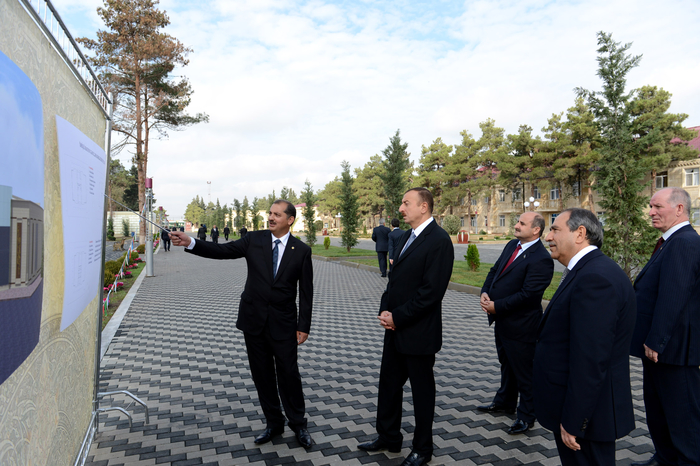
531,202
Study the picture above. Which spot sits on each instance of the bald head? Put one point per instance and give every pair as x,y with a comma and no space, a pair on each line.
529,227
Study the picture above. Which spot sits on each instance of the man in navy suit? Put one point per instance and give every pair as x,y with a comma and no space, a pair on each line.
380,235
667,334
512,297
581,371
277,262
411,314
394,237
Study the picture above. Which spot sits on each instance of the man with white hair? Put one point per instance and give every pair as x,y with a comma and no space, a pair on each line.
667,334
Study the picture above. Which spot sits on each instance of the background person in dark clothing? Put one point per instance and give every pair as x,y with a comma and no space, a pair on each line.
394,237
243,231
202,233
214,234
165,236
380,235
227,231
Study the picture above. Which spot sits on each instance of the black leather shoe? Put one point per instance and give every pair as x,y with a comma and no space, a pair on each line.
379,444
268,434
650,462
520,427
414,459
304,438
494,408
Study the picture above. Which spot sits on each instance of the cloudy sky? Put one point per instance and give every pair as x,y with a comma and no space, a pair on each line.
295,87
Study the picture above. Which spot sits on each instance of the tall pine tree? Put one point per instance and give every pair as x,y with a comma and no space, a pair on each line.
397,169
348,209
620,179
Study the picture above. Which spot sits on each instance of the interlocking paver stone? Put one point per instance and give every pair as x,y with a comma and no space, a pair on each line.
178,350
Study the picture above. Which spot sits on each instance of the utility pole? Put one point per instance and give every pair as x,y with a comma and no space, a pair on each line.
209,188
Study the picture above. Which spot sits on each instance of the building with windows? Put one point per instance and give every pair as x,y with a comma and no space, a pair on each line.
496,212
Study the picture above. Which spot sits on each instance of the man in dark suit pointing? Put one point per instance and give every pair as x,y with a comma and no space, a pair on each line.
267,314
411,314
667,334
512,297
581,376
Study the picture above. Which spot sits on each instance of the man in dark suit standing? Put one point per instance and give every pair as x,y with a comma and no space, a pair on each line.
667,334
214,235
512,297
394,237
243,231
267,314
581,371
227,231
380,235
202,233
165,236
411,314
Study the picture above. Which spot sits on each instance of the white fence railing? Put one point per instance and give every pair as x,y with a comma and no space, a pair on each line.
51,23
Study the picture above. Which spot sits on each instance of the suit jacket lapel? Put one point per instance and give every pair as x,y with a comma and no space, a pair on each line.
267,249
569,279
416,242
289,251
658,253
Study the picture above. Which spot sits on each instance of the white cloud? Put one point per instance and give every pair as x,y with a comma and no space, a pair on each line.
293,88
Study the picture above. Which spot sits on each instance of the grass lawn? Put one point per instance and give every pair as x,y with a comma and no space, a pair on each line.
336,251
462,274
117,297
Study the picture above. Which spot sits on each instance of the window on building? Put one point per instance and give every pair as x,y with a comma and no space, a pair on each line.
474,202
695,216
473,222
662,180
554,217
536,193
554,193
501,196
486,220
576,189
501,220
517,195
487,200
461,221
692,176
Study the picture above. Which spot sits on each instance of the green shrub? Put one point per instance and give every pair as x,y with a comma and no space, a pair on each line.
481,238
110,229
364,229
482,232
319,225
472,257
141,248
134,256
451,224
113,268
326,242
125,227
109,278
297,237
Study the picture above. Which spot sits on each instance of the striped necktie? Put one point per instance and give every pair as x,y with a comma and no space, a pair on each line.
275,255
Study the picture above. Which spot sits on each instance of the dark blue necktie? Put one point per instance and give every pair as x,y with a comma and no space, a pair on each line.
275,255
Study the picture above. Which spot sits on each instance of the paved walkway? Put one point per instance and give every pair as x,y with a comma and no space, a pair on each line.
179,351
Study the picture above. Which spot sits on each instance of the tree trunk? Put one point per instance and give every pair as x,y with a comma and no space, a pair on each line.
139,156
653,183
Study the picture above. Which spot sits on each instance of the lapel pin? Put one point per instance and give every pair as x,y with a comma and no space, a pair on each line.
292,247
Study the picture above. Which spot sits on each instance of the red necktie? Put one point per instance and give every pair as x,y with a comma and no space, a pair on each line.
512,258
658,245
